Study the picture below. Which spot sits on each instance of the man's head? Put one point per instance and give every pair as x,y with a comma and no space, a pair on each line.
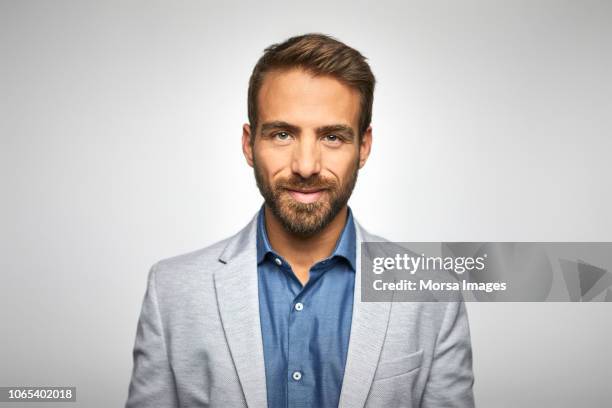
310,107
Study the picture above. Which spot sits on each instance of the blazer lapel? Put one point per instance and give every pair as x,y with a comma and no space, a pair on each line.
368,329
238,301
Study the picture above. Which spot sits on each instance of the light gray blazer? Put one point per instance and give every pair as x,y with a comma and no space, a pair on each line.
199,342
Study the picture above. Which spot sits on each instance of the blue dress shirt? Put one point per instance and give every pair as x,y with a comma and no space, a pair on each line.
305,329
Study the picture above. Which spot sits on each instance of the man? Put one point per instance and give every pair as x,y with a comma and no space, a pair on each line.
272,316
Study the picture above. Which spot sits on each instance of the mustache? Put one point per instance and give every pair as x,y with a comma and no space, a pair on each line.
310,183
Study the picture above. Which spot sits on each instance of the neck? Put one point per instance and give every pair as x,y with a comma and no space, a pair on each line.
303,252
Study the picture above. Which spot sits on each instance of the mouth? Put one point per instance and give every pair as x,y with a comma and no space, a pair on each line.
306,196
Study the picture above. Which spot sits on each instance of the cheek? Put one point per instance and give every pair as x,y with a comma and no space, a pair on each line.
273,162
341,163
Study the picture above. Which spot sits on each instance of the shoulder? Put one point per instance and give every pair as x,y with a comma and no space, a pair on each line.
434,310
181,286
364,235
188,261
177,276
206,260
195,267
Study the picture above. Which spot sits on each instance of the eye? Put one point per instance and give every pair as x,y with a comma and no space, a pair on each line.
281,135
332,139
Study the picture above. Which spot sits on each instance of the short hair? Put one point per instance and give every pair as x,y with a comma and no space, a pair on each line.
318,54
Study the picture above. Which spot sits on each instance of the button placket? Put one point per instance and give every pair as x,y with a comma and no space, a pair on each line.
297,353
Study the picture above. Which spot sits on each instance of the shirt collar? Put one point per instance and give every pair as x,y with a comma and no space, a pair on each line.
345,246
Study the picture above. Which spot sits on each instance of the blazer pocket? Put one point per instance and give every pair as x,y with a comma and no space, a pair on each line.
402,365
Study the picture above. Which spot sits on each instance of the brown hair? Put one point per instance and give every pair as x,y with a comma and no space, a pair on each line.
319,54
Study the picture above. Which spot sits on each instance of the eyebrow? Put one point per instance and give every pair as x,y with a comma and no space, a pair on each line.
320,130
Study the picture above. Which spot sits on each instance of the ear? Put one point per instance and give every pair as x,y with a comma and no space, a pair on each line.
365,147
247,148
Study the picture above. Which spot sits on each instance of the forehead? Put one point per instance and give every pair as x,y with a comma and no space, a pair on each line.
301,98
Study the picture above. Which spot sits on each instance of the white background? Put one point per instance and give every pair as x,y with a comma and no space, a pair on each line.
120,145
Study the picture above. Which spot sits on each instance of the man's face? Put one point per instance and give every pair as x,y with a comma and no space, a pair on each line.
306,152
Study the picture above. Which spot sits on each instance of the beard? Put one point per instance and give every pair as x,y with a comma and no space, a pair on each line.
305,219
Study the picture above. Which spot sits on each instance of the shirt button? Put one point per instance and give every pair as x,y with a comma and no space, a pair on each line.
299,306
278,261
297,376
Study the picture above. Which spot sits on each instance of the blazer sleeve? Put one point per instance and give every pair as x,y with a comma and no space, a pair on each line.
451,378
152,383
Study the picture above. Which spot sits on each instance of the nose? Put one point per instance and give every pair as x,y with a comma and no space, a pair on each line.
306,158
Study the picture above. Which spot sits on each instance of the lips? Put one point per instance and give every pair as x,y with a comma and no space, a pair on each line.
306,196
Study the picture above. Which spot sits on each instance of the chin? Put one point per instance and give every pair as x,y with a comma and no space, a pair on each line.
305,219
